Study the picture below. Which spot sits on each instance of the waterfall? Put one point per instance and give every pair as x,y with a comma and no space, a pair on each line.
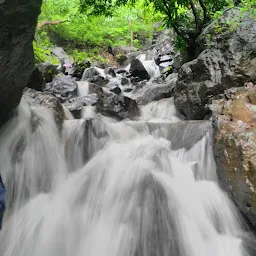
101,187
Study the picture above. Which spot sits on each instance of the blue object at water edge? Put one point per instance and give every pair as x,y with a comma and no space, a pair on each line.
2,200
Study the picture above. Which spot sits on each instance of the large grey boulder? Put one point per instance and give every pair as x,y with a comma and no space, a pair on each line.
157,90
118,107
138,70
229,61
17,28
63,87
46,100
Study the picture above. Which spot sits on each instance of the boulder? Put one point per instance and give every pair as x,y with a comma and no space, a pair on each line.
138,70
110,71
62,87
46,100
37,81
94,88
99,80
118,106
79,68
61,55
116,90
229,61
90,73
121,59
48,71
157,91
234,121
17,29
162,42
75,105
124,81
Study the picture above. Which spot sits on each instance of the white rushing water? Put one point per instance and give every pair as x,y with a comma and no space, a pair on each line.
115,188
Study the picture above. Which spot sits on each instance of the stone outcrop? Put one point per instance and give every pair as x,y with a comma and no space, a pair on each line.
234,117
17,28
156,91
138,70
118,106
46,100
229,61
63,87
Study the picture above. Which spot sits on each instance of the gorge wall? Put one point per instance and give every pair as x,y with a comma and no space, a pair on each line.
17,28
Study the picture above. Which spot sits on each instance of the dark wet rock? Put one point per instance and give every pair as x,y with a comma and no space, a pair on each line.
163,59
135,80
90,73
79,68
116,90
118,106
156,91
37,81
234,121
229,62
94,88
121,59
128,89
113,86
46,100
75,105
17,28
99,80
121,71
110,71
124,81
48,71
62,87
138,70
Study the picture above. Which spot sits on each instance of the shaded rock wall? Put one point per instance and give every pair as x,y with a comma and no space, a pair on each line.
17,27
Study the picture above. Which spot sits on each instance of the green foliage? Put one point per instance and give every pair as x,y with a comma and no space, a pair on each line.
247,8
186,17
83,35
41,47
90,55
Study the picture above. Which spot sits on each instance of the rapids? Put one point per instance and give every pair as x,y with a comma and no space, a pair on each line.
100,187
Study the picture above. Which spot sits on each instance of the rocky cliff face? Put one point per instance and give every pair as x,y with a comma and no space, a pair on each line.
224,75
17,27
229,61
234,118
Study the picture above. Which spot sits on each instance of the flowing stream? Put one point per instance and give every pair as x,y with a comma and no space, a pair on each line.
101,187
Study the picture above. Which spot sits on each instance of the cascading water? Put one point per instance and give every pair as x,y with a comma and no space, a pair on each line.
101,187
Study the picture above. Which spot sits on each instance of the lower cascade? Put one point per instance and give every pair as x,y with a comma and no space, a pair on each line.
100,187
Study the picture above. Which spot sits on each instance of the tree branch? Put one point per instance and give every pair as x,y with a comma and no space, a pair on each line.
50,23
180,33
195,13
206,17
167,8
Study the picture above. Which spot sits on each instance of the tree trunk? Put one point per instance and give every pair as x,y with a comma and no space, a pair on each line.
193,50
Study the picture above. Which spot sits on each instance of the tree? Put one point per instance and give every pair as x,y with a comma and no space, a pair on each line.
186,17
